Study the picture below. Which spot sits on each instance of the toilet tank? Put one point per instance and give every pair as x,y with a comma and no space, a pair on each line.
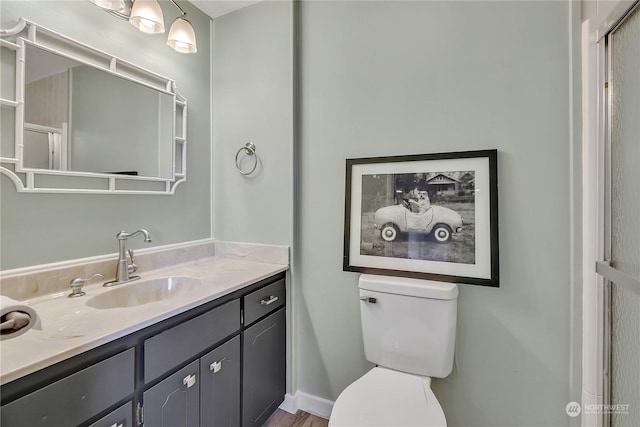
409,324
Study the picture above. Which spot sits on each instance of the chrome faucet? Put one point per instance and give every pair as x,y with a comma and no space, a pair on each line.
124,268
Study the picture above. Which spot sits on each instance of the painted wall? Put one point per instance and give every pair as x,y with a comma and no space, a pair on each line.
253,101
253,96
391,78
46,228
375,78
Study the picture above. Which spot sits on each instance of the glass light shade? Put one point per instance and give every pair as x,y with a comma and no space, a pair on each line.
182,38
109,4
146,15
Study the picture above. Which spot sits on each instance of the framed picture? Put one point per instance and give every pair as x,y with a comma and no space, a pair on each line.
427,216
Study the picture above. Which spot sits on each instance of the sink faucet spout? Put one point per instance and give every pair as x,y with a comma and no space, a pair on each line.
123,235
124,268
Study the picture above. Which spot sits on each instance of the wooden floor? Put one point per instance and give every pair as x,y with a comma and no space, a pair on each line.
282,418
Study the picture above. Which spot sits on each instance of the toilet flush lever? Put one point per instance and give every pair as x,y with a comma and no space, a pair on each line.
372,300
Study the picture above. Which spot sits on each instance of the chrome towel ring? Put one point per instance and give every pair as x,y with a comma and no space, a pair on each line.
250,150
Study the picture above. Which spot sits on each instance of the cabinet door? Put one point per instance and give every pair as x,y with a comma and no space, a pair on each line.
220,386
174,401
264,368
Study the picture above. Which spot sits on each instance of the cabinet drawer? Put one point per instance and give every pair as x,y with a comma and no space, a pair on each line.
174,346
174,401
264,301
121,417
77,397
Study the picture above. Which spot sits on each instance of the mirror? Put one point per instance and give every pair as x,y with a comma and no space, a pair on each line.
88,115
80,118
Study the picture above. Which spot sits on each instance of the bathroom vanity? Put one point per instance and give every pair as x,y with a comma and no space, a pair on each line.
218,363
199,340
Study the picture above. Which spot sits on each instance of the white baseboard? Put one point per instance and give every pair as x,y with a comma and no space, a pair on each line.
307,402
290,404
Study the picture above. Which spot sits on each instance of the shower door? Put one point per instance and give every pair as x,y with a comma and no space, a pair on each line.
622,224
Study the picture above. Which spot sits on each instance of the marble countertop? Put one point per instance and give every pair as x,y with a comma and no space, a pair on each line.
70,326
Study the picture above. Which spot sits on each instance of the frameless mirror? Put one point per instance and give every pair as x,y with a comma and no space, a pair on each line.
80,118
86,121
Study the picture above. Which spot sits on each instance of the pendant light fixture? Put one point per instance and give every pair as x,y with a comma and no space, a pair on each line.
182,38
146,15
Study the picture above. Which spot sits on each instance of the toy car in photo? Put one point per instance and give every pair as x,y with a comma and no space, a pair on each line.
409,217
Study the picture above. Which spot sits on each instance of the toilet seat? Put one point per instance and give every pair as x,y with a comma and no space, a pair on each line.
384,397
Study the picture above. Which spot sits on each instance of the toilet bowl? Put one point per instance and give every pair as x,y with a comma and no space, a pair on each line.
384,397
409,329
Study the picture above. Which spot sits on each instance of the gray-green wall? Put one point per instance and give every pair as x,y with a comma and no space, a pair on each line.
387,78
253,101
40,228
376,78
390,78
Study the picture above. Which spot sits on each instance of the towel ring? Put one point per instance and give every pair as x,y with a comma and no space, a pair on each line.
250,150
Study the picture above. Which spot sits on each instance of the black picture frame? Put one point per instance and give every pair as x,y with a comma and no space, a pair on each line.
402,216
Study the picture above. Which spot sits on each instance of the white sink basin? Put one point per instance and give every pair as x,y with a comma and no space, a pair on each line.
144,292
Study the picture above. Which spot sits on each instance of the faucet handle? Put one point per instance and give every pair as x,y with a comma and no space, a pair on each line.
133,267
79,282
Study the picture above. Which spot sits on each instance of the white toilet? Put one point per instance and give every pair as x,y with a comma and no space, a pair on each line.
409,331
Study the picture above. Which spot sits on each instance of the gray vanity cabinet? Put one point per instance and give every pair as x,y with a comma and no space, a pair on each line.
208,386
264,365
204,393
217,377
221,364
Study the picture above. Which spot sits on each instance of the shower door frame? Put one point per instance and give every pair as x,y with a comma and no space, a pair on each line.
597,279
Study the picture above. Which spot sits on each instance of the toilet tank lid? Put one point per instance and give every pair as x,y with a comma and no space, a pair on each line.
410,287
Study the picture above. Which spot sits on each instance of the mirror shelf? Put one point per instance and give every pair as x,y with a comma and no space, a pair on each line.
159,169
